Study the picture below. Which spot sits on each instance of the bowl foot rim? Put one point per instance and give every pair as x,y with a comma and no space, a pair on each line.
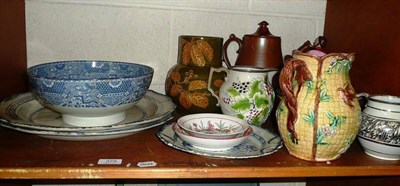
84,121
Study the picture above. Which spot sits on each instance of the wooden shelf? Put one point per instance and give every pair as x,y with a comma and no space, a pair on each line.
25,156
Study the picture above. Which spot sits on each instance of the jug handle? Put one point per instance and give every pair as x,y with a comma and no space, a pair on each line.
363,95
362,99
293,68
212,70
232,37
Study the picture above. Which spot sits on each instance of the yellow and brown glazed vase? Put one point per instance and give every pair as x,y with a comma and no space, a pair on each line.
187,81
319,115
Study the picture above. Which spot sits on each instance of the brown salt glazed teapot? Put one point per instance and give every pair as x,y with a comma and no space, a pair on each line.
260,49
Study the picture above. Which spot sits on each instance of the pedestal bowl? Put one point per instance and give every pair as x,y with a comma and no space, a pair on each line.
90,93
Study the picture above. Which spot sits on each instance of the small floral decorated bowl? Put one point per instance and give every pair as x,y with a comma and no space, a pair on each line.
213,126
209,143
90,93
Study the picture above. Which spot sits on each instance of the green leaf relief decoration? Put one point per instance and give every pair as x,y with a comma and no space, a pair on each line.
323,83
329,130
265,112
232,92
241,105
310,88
240,116
256,121
291,138
321,137
310,118
339,68
323,95
347,67
255,88
339,65
260,101
310,85
335,120
260,118
280,109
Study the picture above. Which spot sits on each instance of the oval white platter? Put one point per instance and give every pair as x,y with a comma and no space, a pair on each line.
87,135
260,143
24,111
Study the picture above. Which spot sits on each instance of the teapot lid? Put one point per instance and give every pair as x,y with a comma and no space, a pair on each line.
262,30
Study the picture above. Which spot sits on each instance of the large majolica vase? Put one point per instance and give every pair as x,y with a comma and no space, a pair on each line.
187,81
319,115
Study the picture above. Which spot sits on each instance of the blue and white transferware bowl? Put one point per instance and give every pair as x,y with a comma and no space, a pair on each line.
90,93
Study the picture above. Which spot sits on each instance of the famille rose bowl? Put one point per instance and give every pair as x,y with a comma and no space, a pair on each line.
209,143
213,126
90,93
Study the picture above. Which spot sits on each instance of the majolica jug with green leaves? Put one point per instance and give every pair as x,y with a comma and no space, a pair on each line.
246,93
319,115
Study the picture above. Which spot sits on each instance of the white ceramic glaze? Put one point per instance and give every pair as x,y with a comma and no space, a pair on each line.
383,106
380,150
216,126
209,143
260,143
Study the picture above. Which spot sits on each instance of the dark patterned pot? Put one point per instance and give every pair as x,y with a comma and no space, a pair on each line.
187,81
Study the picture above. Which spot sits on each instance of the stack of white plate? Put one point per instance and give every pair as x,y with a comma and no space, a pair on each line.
25,114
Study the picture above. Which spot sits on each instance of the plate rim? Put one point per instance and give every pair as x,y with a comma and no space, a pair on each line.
87,133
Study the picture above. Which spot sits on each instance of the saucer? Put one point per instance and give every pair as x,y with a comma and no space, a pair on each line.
260,143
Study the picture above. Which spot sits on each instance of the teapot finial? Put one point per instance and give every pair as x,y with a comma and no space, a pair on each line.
263,24
263,29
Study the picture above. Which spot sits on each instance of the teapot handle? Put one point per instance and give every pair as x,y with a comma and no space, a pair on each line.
232,37
212,70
